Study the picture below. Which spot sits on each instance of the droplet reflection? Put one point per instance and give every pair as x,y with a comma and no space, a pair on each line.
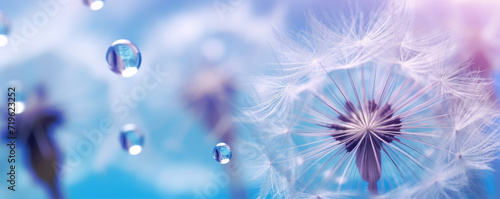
124,58
131,139
222,153
94,4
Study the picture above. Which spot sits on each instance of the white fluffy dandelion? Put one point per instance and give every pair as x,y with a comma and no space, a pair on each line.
381,109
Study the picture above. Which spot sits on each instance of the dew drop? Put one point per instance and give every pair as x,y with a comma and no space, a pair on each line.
123,58
94,4
222,153
4,29
131,139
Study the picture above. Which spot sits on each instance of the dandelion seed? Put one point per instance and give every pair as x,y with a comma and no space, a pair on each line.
269,168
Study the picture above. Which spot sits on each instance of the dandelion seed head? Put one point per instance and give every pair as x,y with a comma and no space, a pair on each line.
376,107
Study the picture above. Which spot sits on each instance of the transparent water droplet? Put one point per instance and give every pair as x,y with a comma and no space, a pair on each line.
124,58
222,153
131,139
4,29
94,4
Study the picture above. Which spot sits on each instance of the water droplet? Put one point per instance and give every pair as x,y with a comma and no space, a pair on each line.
124,58
222,153
94,4
132,139
4,29
19,107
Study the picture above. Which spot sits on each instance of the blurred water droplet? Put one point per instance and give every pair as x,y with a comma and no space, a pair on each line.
131,139
19,107
4,29
222,153
124,58
94,4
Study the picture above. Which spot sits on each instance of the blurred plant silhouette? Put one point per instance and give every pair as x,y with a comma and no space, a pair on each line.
210,93
35,127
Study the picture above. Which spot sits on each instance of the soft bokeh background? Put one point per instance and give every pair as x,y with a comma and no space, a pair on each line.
185,45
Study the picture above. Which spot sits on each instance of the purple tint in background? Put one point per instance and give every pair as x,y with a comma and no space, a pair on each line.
200,62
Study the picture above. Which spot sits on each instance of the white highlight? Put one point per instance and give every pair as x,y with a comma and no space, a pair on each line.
121,41
136,149
129,72
128,127
3,40
224,161
300,160
19,107
96,5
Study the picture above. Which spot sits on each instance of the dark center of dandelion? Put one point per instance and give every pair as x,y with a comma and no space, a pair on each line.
364,129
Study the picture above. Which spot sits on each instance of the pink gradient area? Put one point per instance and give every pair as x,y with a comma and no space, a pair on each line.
475,25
